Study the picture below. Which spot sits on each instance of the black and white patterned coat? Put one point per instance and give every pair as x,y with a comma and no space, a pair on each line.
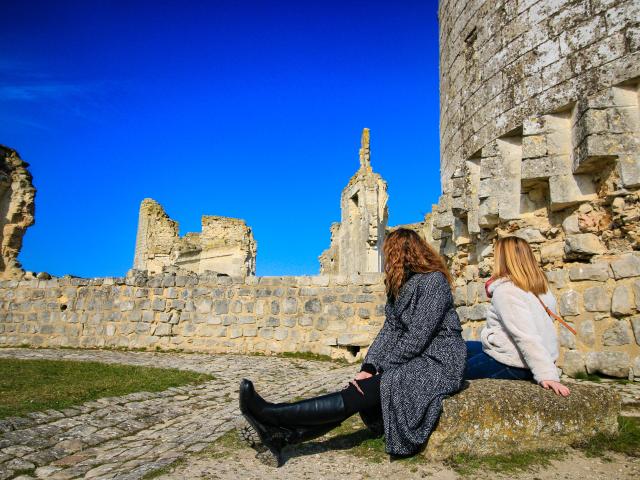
421,354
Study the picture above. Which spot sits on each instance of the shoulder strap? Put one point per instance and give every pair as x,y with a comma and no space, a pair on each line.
556,317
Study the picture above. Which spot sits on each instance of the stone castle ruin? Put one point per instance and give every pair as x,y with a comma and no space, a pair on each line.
540,138
17,209
356,241
225,245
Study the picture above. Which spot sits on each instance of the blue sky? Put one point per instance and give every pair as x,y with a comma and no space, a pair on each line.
249,109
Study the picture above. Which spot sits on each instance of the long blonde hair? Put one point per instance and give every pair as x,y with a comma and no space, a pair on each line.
514,259
406,252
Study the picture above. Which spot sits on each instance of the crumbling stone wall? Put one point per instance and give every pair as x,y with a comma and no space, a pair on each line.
334,316
225,245
17,209
540,138
501,62
356,241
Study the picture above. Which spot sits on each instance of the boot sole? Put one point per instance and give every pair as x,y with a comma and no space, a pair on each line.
251,434
267,454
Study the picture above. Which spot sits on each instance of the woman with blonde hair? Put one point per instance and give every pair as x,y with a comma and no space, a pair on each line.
416,360
519,340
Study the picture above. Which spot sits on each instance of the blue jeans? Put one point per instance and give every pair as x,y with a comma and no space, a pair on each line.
481,365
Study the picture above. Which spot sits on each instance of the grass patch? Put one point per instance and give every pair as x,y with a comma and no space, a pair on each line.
164,470
35,385
587,376
627,441
515,462
304,356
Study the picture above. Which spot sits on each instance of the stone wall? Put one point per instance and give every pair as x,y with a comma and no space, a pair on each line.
334,316
501,61
540,138
225,245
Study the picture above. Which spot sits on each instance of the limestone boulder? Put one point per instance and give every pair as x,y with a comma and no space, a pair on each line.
17,201
492,417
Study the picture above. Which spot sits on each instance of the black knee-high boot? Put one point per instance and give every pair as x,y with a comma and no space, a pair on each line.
280,424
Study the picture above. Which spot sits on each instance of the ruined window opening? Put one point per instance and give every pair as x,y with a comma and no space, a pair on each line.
471,37
354,211
353,349
63,307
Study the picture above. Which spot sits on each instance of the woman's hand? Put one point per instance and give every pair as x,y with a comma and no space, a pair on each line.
557,387
360,376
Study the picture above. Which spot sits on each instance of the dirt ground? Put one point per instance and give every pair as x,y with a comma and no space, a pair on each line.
344,456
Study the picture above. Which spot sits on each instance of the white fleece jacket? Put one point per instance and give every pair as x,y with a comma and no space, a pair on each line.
518,331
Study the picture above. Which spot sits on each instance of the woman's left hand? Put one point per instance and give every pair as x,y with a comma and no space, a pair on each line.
557,387
360,376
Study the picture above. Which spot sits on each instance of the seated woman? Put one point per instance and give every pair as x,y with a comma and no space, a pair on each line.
519,339
415,361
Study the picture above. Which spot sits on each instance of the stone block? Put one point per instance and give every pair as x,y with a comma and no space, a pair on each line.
290,305
249,331
552,252
622,302
557,278
275,307
305,321
597,299
491,417
203,305
221,306
598,272
586,332
567,190
158,304
460,296
162,329
573,363
478,311
356,339
583,245
312,306
531,235
570,225
617,334
635,325
614,364
289,322
626,266
569,304
281,333
566,338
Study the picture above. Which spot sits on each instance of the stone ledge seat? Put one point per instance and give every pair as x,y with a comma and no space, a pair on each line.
497,417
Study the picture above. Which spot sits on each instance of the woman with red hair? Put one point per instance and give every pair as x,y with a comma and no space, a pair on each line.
416,360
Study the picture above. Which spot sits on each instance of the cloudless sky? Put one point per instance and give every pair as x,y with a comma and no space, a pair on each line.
249,109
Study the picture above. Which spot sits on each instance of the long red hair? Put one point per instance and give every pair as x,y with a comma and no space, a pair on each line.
406,252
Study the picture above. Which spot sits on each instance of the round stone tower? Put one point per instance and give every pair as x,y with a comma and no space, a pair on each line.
540,138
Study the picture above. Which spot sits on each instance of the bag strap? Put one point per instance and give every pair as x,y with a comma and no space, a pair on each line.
556,317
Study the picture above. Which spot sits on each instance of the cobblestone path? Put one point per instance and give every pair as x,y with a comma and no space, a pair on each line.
129,436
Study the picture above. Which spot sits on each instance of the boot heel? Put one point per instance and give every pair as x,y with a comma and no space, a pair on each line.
248,435
270,458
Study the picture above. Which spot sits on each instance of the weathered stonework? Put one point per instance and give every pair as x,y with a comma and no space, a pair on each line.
225,245
17,208
356,241
540,138
330,315
491,417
